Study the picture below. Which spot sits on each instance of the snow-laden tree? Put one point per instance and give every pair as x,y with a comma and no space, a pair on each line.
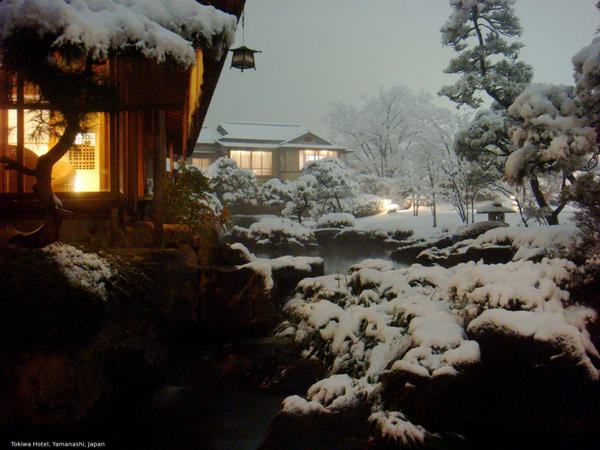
334,183
386,188
586,72
445,172
480,32
550,139
381,131
235,187
486,141
302,195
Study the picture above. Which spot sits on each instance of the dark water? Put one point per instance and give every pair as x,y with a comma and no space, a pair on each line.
230,418
339,258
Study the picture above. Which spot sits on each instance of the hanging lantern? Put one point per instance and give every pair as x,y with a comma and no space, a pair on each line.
243,57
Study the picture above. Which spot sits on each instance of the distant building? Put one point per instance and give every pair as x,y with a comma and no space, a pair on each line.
270,150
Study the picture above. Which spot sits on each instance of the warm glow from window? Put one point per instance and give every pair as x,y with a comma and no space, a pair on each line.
259,162
85,166
201,163
315,155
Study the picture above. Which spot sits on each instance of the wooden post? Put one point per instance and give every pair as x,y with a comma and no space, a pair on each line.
20,129
114,175
3,127
159,156
171,161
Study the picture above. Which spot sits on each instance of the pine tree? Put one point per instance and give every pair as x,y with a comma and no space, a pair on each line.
478,30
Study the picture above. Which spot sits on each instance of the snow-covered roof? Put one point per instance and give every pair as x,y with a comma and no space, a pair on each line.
263,135
494,207
156,28
278,132
208,136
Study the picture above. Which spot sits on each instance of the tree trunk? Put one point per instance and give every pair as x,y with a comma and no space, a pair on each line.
434,211
54,212
552,218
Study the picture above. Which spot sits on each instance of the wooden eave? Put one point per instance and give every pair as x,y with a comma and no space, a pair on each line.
212,72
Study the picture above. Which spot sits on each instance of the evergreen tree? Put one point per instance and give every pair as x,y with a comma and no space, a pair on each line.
487,62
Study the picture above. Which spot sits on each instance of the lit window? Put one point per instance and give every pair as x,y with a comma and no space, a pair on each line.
83,154
259,162
85,167
315,155
201,163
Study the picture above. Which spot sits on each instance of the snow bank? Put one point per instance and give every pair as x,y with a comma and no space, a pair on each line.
87,270
155,28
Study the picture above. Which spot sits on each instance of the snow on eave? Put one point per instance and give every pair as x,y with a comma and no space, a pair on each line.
157,29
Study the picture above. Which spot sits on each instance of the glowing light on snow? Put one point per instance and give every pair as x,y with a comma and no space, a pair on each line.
388,205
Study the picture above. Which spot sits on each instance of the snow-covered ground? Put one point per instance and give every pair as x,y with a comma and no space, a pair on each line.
422,225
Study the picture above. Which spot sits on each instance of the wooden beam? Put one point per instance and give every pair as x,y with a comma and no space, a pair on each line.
20,129
141,173
159,156
171,161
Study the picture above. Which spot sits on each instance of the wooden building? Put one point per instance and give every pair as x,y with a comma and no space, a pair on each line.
269,150
118,165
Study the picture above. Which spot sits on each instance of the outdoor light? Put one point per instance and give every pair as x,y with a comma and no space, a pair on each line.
243,57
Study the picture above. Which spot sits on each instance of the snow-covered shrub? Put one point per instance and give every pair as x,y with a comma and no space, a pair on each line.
87,270
383,324
363,205
302,195
189,202
333,184
397,233
274,194
236,188
552,241
551,330
277,229
520,285
395,426
336,220
586,252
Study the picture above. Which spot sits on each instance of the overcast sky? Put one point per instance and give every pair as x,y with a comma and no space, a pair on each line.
316,52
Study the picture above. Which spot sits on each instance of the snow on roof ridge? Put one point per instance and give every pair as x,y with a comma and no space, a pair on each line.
236,122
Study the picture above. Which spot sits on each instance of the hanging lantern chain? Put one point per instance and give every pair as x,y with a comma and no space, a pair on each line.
243,57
